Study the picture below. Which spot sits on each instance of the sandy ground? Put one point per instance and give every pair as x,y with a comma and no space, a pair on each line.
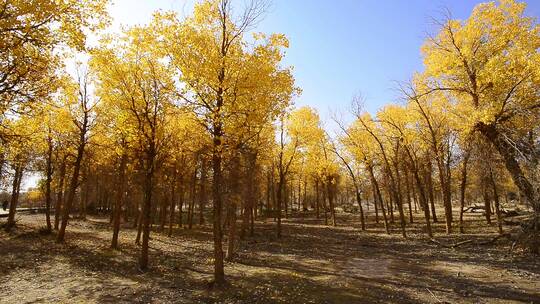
312,263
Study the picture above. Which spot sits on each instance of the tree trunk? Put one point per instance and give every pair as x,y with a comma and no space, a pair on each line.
359,202
496,199
219,273
279,199
487,203
202,191
48,181
119,200
317,198
60,195
173,202
330,187
14,196
399,201
421,191
231,239
408,188
508,153
147,209
72,189
378,197
462,190
431,195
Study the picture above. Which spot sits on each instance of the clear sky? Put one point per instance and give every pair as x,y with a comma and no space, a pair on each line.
341,47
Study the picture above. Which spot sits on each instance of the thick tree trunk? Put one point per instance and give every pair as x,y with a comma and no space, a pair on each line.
508,153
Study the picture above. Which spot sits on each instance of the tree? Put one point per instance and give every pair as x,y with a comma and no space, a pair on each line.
134,80
220,88
32,37
80,106
488,65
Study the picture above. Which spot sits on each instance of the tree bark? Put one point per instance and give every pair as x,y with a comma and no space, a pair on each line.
119,200
508,153
16,186
60,194
48,181
462,189
72,189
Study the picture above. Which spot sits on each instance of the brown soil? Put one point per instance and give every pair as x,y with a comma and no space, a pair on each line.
312,263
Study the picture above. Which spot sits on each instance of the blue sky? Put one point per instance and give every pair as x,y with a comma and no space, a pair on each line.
342,47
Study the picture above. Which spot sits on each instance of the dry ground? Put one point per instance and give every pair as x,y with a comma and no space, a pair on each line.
310,264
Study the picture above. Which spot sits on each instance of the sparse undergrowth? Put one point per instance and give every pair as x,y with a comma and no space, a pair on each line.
312,263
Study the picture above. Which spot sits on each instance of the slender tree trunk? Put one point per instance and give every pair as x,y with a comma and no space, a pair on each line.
219,273
325,208
378,197
119,200
496,199
421,191
408,188
462,190
60,195
147,207
48,181
397,194
14,196
181,204
192,197
173,202
139,225
72,189
431,197
331,201
359,202
487,203
231,239
375,204
279,199
317,198
202,191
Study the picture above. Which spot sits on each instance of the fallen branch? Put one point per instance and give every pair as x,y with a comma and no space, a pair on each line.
491,241
452,245
474,209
